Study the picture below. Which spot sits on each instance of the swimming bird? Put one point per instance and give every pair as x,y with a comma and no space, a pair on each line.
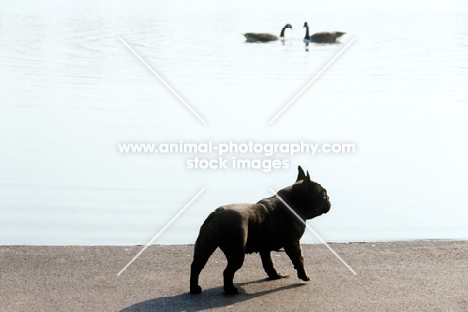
322,37
265,37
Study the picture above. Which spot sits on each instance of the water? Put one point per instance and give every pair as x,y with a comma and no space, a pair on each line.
71,91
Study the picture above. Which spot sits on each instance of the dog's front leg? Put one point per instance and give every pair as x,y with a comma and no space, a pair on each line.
294,251
269,266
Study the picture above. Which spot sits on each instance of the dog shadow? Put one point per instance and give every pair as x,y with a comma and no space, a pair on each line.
208,299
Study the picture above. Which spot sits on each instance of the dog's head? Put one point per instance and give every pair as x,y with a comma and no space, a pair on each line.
310,198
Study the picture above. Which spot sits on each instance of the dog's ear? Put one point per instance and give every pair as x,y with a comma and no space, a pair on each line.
307,182
301,175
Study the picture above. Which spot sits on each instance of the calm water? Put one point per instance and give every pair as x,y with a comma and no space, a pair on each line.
70,91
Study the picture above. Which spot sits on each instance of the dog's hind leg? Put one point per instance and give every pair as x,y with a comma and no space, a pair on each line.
269,266
203,250
235,257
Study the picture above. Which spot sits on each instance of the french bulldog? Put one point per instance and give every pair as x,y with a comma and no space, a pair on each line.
266,226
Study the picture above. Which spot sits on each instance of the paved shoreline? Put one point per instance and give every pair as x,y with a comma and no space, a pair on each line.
392,276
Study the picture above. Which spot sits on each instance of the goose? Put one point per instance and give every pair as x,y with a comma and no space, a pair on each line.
322,37
265,37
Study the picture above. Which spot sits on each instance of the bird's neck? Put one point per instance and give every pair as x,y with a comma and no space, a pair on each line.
307,32
282,31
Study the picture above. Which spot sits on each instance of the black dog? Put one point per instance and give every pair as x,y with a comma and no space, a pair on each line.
268,225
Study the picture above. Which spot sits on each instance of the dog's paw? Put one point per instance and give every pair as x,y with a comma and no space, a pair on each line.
303,277
231,290
277,276
195,290
274,276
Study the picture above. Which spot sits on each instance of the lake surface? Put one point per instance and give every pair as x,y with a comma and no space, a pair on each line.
70,92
